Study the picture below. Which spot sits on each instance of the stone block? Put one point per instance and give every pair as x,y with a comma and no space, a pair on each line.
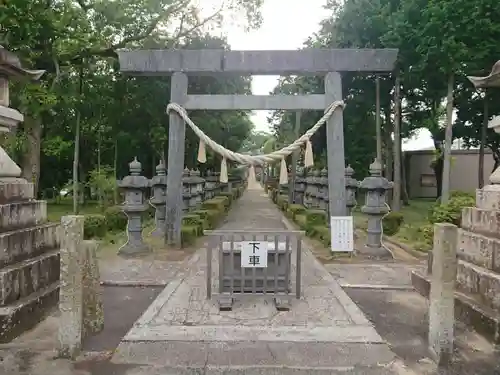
21,279
16,191
488,198
441,297
70,291
479,281
479,250
22,215
24,244
483,221
468,310
93,313
26,313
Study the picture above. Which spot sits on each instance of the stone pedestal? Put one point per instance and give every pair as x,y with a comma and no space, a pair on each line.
477,292
29,259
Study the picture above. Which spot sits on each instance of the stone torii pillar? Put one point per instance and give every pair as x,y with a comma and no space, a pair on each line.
182,63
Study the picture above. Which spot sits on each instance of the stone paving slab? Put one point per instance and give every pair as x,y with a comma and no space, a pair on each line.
323,329
132,272
374,276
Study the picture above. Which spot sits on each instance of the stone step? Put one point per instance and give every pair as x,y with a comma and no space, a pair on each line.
20,280
17,190
22,244
479,249
22,215
468,309
260,370
26,313
488,198
475,280
482,221
254,357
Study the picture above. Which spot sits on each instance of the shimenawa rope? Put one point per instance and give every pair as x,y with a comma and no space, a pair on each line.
251,160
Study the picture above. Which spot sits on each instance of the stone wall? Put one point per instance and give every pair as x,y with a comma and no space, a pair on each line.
29,259
477,287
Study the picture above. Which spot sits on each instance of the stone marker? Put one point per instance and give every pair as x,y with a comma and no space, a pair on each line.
442,303
70,290
93,313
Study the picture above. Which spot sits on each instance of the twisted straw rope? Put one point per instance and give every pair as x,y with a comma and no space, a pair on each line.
255,159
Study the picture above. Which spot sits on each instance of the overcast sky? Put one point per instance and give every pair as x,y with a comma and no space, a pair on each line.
287,27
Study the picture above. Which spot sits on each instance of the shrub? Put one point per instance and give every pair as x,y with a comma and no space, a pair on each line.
94,226
392,222
451,212
188,234
295,209
427,234
194,221
116,220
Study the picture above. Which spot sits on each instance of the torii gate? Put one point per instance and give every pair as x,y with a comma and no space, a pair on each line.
181,63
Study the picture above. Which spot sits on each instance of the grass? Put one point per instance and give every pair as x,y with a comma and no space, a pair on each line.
110,244
57,210
415,216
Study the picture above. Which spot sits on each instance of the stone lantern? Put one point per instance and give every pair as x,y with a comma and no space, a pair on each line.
159,199
134,206
375,208
323,189
186,190
10,68
351,186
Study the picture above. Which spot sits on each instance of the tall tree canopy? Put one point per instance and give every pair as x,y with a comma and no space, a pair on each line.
83,100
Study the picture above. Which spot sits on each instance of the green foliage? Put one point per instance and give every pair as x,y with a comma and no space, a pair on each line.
451,212
392,222
116,220
103,184
94,226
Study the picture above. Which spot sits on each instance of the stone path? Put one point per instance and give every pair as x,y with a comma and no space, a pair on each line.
374,276
323,333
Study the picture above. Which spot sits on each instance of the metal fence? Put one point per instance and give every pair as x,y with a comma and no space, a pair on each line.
251,263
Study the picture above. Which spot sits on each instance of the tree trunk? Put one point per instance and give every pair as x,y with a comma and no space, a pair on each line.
378,127
388,144
445,192
482,143
76,155
115,172
30,160
404,182
396,204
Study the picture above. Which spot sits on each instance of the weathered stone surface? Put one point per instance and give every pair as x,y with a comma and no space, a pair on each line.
24,278
480,250
482,221
16,191
25,314
468,310
155,62
183,329
473,279
441,309
21,215
70,293
93,313
488,197
24,244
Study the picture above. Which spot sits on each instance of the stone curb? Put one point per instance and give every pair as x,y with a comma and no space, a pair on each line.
133,283
406,248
